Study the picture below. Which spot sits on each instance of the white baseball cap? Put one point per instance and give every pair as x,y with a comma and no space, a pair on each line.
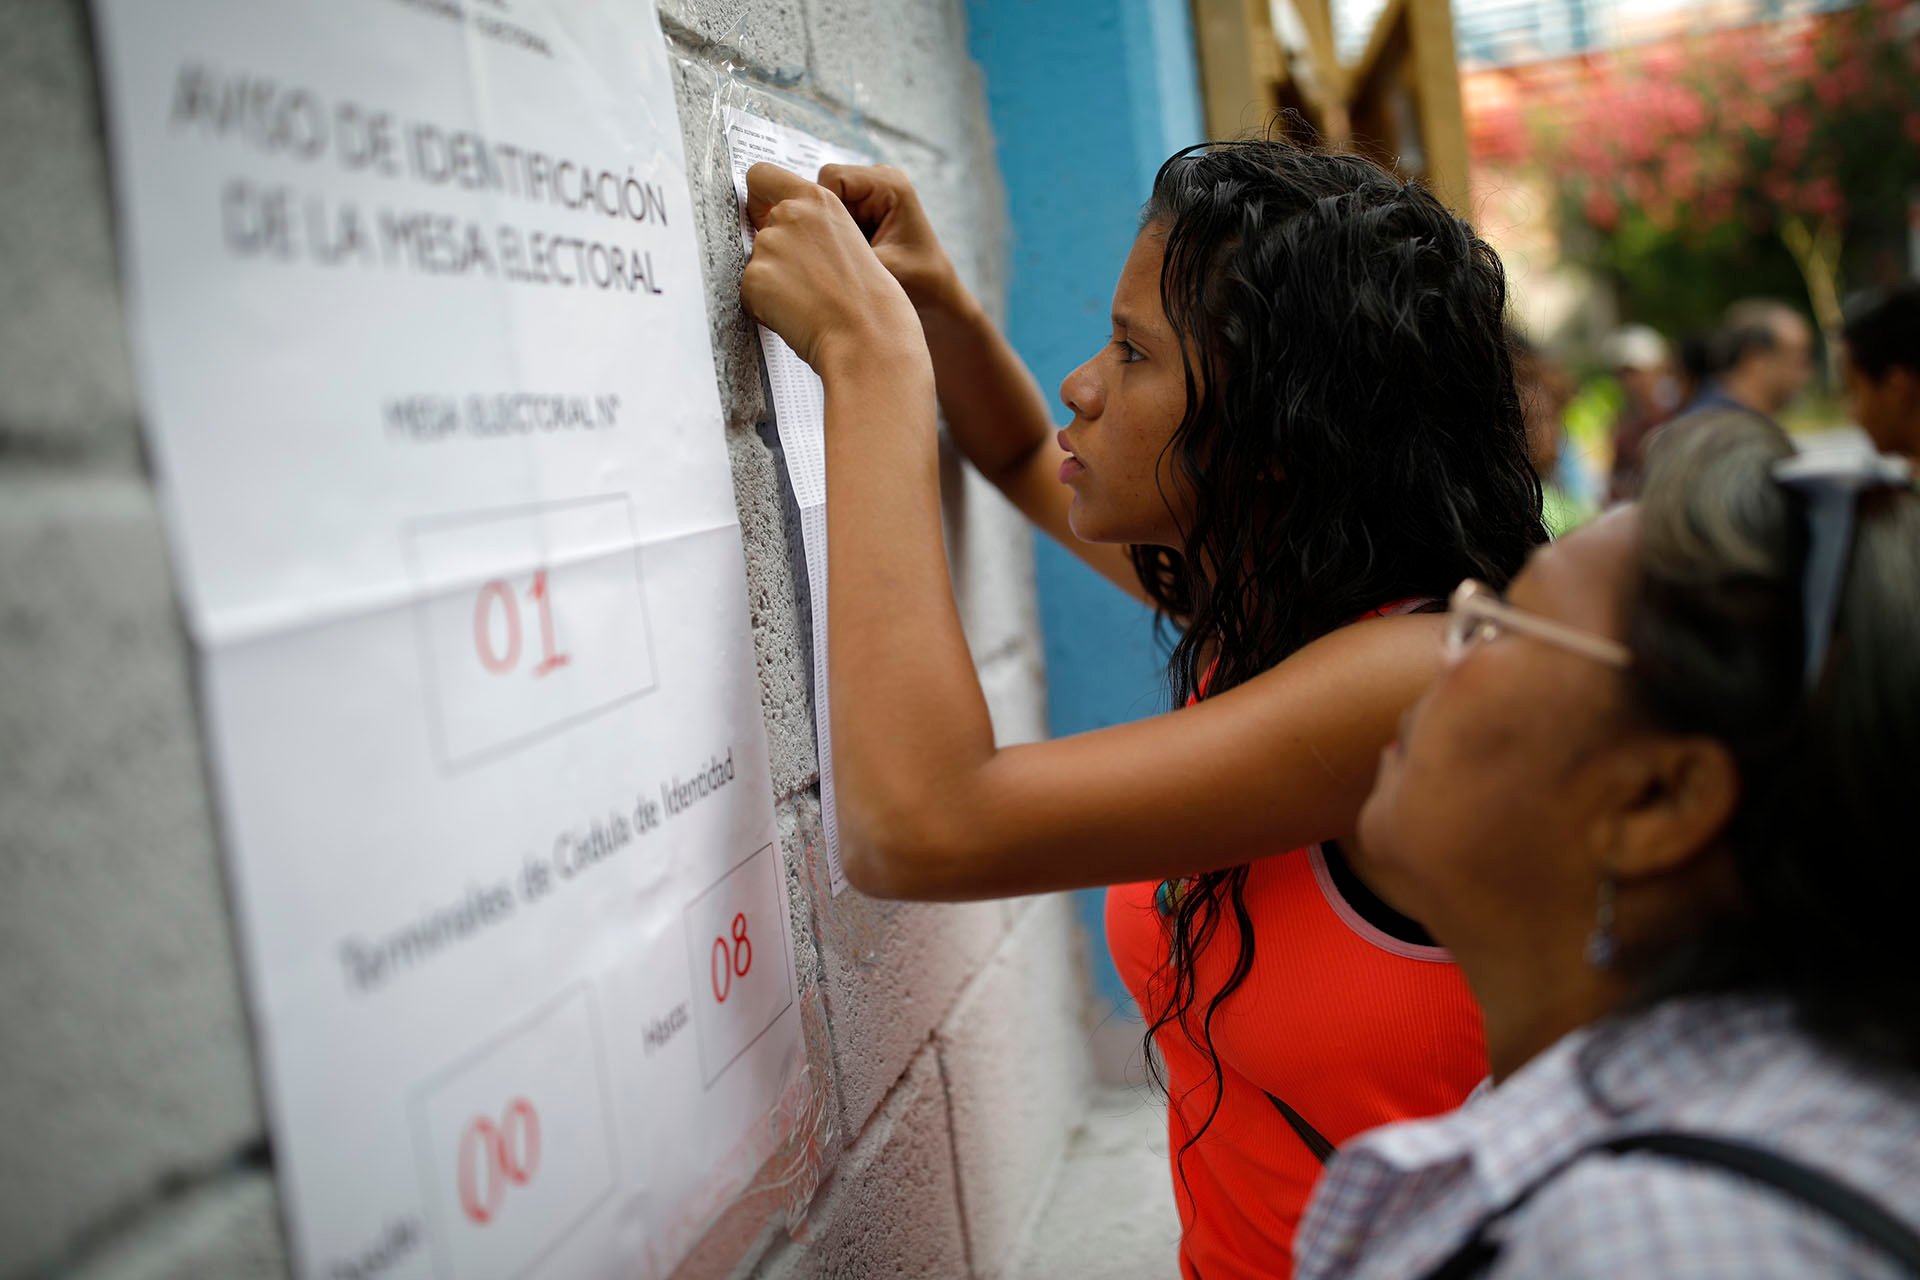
1635,346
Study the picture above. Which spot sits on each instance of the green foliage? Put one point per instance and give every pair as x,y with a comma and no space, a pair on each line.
1679,279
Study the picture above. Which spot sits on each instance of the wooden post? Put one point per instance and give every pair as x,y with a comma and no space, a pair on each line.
1239,64
1406,83
1436,79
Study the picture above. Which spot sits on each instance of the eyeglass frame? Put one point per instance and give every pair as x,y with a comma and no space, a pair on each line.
1830,480
1474,604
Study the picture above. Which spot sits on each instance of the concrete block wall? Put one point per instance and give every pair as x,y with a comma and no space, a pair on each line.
1117,82
946,1044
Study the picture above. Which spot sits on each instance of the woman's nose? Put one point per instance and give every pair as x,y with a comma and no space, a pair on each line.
1080,392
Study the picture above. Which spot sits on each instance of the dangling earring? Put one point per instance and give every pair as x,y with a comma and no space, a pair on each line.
1602,945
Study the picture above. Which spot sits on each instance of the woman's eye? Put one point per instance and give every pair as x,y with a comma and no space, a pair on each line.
1129,354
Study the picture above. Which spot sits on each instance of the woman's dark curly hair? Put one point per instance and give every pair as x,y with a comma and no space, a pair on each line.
1352,438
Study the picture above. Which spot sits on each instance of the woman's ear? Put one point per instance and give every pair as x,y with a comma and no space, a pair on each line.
1905,386
1687,794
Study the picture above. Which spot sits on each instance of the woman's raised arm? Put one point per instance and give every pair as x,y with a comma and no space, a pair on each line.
928,807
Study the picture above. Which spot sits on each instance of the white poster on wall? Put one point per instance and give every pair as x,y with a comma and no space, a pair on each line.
422,342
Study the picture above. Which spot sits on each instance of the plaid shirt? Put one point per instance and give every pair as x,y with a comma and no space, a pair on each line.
1397,1201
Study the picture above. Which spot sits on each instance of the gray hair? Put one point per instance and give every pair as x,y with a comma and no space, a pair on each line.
1823,837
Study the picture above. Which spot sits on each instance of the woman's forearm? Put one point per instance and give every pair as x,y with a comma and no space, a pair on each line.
910,724
1001,422
995,411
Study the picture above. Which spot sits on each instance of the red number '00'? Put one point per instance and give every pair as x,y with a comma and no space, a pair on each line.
728,963
493,1156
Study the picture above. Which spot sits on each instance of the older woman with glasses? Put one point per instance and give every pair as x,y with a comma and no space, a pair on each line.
1659,804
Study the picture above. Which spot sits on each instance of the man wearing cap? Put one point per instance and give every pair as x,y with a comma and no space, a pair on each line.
1640,360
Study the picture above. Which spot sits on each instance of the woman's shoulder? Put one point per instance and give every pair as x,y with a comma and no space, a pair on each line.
1375,644
1640,1213
1738,1068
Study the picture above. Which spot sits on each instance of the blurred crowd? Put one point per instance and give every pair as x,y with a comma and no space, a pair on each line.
1589,439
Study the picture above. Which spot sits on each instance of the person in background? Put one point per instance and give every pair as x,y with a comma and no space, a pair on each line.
1545,387
1883,366
1294,475
1659,805
1764,362
1697,363
1642,363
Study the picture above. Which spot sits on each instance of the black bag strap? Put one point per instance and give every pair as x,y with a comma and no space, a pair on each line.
1822,1191
1321,1148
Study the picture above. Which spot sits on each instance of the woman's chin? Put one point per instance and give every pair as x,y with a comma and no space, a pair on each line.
1376,824
1090,524
1084,519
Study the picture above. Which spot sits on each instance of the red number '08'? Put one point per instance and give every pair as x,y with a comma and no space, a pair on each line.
728,963
495,1156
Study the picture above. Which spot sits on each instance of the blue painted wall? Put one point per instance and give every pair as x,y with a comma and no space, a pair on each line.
1087,97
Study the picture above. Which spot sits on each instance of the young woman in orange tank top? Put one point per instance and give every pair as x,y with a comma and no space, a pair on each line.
1304,413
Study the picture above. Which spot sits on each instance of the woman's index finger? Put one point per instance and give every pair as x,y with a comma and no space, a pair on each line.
855,184
845,180
767,185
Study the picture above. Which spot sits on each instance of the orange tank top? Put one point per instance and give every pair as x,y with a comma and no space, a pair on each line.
1349,1026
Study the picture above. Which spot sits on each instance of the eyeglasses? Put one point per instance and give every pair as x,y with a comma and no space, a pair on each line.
1477,614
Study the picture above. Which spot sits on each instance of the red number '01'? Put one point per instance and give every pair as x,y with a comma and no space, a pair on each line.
728,963
493,1157
496,599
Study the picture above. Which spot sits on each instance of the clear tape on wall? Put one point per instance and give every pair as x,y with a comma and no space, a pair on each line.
758,126
720,32
855,936
801,1132
776,93
798,1167
796,1170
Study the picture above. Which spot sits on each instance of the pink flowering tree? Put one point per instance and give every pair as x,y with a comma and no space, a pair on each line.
1802,130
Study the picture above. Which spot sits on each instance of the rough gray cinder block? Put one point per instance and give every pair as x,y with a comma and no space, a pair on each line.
1013,1055
965,201
990,557
891,1208
767,37
716,215
702,90
901,65
780,637
892,970
66,380
126,1055
228,1229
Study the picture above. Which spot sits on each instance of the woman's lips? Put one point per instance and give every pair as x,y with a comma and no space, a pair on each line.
1072,466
